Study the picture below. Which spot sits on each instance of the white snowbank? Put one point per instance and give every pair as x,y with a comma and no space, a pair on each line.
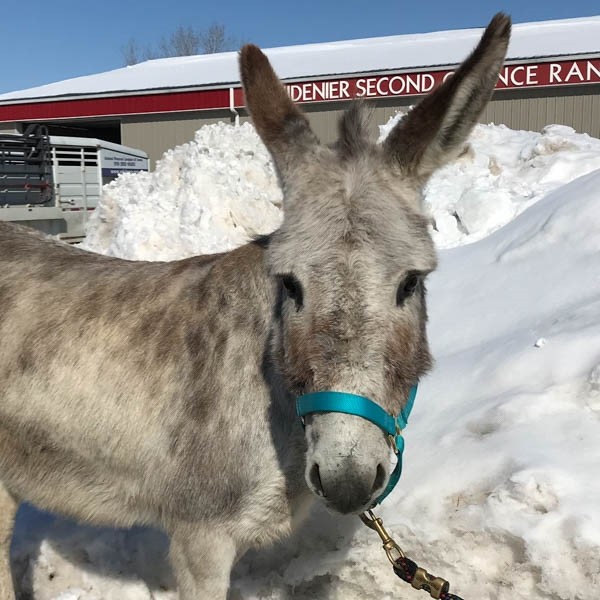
500,490
501,174
506,431
212,194
220,190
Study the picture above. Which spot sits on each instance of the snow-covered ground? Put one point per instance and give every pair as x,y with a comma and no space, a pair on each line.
500,489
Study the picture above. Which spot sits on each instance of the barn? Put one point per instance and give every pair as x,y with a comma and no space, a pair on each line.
552,75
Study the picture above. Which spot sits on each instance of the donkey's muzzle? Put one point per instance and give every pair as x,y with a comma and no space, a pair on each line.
351,488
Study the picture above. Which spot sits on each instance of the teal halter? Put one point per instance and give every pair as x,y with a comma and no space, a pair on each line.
352,404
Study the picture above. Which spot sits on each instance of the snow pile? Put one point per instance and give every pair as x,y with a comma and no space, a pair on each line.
211,194
512,473
220,190
500,490
502,172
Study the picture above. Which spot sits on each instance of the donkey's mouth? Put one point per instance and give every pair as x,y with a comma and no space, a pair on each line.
348,494
348,506
349,509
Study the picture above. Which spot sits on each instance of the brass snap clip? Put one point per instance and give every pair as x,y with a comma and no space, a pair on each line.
418,577
392,550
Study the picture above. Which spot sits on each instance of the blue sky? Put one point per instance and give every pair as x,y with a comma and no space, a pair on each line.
43,41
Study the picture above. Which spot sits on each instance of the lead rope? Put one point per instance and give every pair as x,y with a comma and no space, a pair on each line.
405,568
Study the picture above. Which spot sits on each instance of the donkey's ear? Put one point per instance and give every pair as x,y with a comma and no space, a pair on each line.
280,123
434,132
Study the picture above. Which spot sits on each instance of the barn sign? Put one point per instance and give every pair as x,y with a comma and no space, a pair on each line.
571,72
227,97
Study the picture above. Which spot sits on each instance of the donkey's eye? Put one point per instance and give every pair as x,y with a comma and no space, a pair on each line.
407,287
293,289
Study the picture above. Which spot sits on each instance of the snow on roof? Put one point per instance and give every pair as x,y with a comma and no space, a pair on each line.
565,37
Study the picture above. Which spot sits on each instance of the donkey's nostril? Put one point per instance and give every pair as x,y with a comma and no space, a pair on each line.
315,479
379,478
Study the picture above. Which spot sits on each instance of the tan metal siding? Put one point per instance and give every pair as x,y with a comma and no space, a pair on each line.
325,122
522,109
533,110
155,134
324,119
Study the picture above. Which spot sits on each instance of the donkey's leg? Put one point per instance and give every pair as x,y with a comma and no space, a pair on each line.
202,559
8,510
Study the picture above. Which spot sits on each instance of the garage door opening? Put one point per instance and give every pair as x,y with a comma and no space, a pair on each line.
109,131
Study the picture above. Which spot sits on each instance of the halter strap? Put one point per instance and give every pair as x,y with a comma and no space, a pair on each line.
353,404
350,404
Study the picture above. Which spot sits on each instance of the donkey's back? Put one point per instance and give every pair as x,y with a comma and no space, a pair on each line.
81,383
124,395
108,369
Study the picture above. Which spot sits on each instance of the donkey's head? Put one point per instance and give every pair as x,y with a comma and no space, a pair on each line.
352,256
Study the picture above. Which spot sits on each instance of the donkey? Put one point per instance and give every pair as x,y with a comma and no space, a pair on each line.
163,394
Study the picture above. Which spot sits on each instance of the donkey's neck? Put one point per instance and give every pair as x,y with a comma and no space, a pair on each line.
230,382
231,303
228,300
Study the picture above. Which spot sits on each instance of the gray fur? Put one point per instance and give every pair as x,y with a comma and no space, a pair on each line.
163,393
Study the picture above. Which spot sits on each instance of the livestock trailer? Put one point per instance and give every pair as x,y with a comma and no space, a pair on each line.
52,183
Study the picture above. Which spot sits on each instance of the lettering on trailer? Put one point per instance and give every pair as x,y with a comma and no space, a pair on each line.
572,72
113,163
